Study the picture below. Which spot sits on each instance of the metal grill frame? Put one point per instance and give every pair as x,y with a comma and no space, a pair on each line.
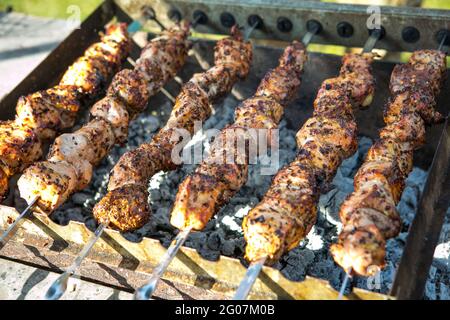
119,263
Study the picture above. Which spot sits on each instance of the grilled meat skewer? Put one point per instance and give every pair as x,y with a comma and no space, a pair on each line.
125,207
100,61
41,115
216,180
369,214
288,210
71,159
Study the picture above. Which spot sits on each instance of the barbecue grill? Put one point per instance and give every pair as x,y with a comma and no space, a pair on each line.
117,262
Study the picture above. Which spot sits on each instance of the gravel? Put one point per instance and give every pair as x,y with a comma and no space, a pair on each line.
223,234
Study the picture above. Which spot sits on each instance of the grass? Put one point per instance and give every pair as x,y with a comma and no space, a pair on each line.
51,8
437,4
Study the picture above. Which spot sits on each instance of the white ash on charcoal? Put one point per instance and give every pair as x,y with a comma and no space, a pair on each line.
223,234
438,283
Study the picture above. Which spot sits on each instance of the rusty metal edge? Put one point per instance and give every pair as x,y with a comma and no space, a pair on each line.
393,19
423,235
221,276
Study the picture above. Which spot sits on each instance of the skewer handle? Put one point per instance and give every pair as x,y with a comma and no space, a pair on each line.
145,292
147,13
58,287
316,29
15,223
250,277
442,46
250,30
344,284
134,27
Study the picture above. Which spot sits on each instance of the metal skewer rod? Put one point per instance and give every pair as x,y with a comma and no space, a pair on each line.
19,218
58,287
195,22
178,80
255,267
249,279
250,30
344,284
372,40
309,36
442,46
145,292
168,95
147,13
368,47
163,28
131,61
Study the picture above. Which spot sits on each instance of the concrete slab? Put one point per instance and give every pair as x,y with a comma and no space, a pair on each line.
22,282
24,42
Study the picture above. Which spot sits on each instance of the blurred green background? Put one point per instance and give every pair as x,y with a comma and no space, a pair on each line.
58,8
50,8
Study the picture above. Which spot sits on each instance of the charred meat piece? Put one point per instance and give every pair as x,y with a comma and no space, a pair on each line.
47,112
18,146
100,61
130,87
112,111
125,208
50,181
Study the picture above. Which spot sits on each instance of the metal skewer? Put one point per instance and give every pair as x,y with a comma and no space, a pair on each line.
19,218
250,30
178,80
249,279
372,40
442,46
145,292
309,36
58,287
196,21
168,95
255,267
344,284
368,47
